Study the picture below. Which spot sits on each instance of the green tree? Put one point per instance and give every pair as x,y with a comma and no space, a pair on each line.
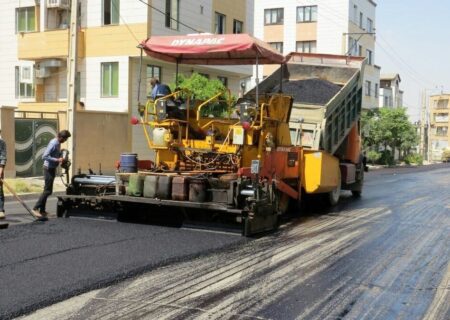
389,127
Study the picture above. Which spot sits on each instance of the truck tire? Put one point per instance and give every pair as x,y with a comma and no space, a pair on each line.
334,195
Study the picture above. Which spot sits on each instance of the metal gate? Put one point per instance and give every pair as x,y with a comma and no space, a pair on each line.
34,130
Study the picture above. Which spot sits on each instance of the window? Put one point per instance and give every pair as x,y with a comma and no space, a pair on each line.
111,12
152,72
441,117
277,46
274,16
224,80
360,49
204,75
307,14
368,87
441,131
369,56
306,46
386,101
361,18
172,14
442,104
355,13
369,25
110,79
377,89
25,19
352,47
220,21
24,82
238,26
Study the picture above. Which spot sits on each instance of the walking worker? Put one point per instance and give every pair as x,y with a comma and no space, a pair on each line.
52,159
2,176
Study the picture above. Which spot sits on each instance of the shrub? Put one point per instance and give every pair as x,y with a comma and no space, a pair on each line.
414,158
386,158
373,156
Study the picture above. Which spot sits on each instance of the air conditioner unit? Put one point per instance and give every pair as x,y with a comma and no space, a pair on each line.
43,72
60,4
26,74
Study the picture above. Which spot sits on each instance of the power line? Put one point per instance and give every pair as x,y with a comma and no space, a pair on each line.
124,22
171,18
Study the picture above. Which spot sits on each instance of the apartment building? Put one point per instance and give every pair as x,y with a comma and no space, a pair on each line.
343,27
34,69
439,136
390,94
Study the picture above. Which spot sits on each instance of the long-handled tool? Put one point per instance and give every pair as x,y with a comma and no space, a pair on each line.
22,202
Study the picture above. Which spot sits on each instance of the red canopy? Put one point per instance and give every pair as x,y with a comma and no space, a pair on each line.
212,49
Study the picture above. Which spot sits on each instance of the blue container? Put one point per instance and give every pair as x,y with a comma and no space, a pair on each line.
128,162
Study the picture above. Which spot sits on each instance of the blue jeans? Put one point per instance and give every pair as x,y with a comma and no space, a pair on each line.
49,177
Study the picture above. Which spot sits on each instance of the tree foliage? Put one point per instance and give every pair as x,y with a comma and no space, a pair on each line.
200,87
389,128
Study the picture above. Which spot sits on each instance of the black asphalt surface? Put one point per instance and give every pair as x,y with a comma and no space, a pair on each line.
385,255
42,263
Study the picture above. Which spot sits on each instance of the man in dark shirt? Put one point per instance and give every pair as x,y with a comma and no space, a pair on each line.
158,89
52,159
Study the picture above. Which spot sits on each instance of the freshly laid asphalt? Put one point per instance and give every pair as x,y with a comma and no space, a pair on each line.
42,263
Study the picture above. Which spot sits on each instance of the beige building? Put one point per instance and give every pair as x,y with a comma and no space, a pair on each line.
342,27
439,136
35,50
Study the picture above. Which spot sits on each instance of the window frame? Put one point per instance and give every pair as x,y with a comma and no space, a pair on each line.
224,80
112,7
369,56
171,21
26,11
111,94
309,43
235,24
152,75
222,21
24,90
274,45
279,20
368,88
311,13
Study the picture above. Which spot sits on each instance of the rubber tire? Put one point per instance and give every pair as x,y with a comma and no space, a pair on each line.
333,196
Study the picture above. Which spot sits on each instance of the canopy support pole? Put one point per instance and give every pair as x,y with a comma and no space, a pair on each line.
140,75
176,74
281,79
257,81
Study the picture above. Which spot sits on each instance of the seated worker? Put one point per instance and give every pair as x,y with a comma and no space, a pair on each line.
158,89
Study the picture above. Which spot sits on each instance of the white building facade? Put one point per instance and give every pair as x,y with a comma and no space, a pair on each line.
35,51
342,27
390,94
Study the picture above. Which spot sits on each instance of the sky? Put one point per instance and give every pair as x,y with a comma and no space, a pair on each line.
413,40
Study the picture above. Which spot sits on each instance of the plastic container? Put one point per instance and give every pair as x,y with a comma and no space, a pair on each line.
135,185
197,190
180,188
128,162
164,189
158,137
150,186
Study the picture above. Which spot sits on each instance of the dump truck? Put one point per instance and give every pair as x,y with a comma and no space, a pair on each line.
296,133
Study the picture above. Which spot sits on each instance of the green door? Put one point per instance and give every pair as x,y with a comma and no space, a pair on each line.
32,137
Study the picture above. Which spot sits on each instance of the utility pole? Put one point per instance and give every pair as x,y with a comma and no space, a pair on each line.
72,62
423,109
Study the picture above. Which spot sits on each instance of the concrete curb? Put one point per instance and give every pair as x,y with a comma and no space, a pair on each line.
28,196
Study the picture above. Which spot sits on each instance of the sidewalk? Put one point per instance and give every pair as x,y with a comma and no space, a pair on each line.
30,187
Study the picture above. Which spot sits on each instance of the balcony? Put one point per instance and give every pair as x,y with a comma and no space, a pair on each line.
47,44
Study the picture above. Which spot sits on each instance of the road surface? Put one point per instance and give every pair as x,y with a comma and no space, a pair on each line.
384,256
